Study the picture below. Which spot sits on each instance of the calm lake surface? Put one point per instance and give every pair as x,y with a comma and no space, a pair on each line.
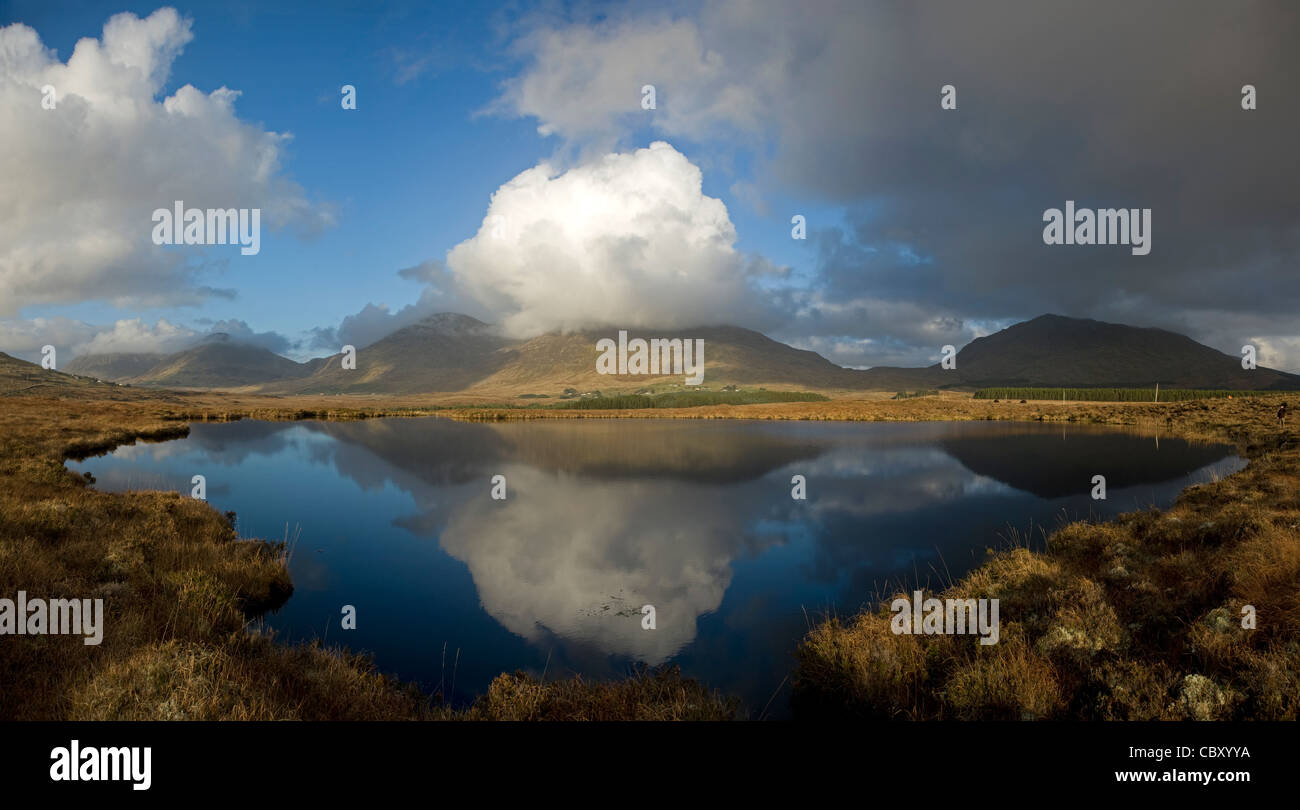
395,517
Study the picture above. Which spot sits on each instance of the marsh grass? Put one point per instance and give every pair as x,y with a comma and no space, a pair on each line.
1114,394
647,694
182,596
1139,618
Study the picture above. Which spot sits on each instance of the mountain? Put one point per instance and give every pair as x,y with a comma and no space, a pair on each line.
217,362
1056,351
114,366
21,377
456,353
732,356
449,352
444,352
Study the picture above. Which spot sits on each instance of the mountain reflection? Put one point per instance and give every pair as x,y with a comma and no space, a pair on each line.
604,516
1041,463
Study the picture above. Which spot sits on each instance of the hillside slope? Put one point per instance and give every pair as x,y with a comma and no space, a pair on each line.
445,352
115,366
220,363
1056,351
21,377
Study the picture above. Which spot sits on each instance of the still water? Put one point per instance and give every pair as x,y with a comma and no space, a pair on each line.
451,587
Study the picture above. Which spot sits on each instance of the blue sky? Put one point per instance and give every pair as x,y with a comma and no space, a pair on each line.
410,170
924,224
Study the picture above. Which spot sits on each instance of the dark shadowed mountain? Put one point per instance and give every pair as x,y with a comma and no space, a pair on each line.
1055,351
454,353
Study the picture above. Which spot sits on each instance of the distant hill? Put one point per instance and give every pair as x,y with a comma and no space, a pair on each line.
449,352
21,377
732,356
217,362
456,353
221,363
444,352
1056,351
114,366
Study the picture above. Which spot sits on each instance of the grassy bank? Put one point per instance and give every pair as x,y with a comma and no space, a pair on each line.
688,399
181,592
1129,619
1113,394
1135,619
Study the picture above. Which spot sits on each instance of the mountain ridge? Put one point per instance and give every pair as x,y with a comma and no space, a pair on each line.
1056,351
449,352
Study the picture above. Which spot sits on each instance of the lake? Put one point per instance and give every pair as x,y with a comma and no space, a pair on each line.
601,516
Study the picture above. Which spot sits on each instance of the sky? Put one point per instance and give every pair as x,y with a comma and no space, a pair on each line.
501,162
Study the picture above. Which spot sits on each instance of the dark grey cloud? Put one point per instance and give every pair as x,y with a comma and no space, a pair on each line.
1110,104
241,332
322,337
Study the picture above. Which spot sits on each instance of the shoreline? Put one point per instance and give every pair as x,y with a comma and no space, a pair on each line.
823,669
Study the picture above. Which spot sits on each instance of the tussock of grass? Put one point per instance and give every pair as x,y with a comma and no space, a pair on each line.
1013,683
862,670
661,694
245,678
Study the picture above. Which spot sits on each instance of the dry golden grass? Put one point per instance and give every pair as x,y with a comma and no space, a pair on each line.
650,695
1139,618
180,591
1132,619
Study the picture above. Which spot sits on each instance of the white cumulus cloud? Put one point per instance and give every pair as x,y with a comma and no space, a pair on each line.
81,180
629,239
24,338
134,335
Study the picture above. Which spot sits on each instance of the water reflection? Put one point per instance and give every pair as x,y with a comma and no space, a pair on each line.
604,516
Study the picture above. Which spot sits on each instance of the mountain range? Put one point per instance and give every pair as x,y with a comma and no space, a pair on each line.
456,353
